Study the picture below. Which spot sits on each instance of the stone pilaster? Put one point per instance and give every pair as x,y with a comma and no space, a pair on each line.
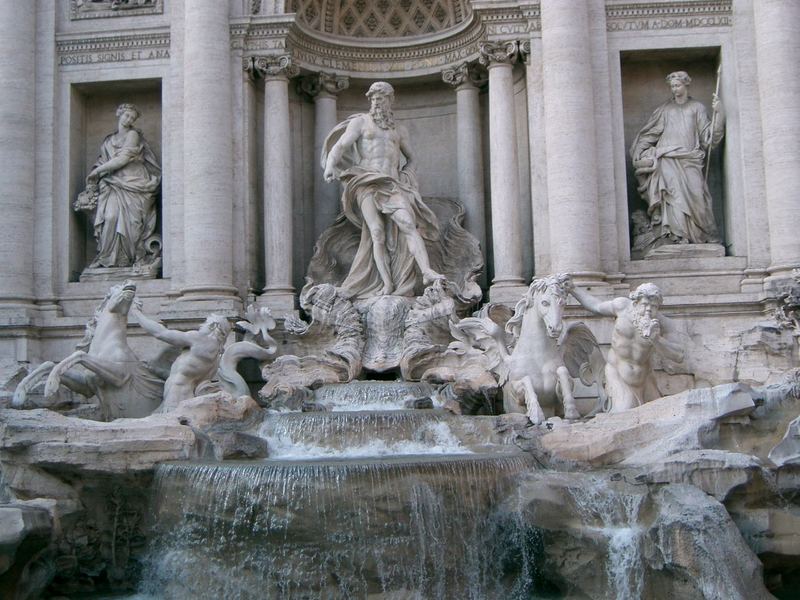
777,29
276,71
499,58
208,154
570,139
465,80
323,88
17,151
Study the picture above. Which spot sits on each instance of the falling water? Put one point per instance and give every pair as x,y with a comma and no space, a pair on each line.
371,395
358,434
618,516
404,527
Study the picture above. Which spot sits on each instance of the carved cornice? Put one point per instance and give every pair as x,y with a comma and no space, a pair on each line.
680,14
465,74
270,67
322,84
499,53
105,48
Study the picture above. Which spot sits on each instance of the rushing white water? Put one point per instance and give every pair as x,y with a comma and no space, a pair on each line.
412,526
616,516
362,434
373,395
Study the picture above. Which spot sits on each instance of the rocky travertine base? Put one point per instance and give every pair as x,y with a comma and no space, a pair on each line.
675,498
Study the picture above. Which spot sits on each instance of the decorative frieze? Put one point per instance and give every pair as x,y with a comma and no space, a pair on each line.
152,45
683,14
270,67
97,9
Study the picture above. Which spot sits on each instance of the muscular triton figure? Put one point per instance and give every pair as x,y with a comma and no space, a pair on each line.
638,331
371,155
199,360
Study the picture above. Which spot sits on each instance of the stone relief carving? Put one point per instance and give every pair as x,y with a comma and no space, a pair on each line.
669,156
787,314
639,332
121,191
103,364
92,9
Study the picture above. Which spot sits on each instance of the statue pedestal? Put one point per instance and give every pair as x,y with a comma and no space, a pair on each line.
149,271
685,251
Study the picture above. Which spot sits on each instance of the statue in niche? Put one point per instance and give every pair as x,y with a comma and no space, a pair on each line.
371,155
121,190
669,157
639,330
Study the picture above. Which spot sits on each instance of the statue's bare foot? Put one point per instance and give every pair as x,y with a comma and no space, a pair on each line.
386,290
429,276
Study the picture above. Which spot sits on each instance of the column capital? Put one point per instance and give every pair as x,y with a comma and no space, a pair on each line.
499,53
322,85
270,67
464,75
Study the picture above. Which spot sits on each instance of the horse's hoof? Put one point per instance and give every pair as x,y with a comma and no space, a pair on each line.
572,414
51,387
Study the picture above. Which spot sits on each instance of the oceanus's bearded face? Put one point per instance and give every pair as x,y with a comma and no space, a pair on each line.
381,112
643,314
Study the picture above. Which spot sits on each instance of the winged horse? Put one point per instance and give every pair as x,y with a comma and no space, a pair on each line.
535,357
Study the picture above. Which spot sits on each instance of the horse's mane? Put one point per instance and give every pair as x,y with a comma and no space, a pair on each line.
91,324
537,286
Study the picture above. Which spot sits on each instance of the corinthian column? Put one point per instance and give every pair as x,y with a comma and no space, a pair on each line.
208,152
570,138
323,88
469,148
778,59
499,58
17,161
276,71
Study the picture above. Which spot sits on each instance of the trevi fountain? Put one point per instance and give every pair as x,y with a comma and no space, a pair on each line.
408,299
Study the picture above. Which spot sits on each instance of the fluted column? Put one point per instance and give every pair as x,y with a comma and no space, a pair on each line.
278,223
570,138
777,28
499,58
17,161
208,152
469,148
323,88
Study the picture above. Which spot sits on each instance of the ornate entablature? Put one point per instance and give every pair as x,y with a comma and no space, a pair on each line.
105,48
645,16
97,9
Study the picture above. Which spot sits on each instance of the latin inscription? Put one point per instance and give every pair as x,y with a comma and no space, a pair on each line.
114,56
670,23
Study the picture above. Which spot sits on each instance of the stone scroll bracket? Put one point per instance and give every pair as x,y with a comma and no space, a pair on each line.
270,67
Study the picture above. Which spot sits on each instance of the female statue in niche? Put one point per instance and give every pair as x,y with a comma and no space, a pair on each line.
669,154
122,188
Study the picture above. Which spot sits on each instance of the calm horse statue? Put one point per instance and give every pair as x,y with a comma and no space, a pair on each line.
536,358
111,371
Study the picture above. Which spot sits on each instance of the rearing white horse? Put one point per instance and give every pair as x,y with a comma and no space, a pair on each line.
536,357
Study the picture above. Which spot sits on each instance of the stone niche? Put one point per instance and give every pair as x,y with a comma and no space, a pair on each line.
92,117
644,88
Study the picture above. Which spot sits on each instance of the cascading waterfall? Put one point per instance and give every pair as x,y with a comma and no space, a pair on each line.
616,516
404,527
354,434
